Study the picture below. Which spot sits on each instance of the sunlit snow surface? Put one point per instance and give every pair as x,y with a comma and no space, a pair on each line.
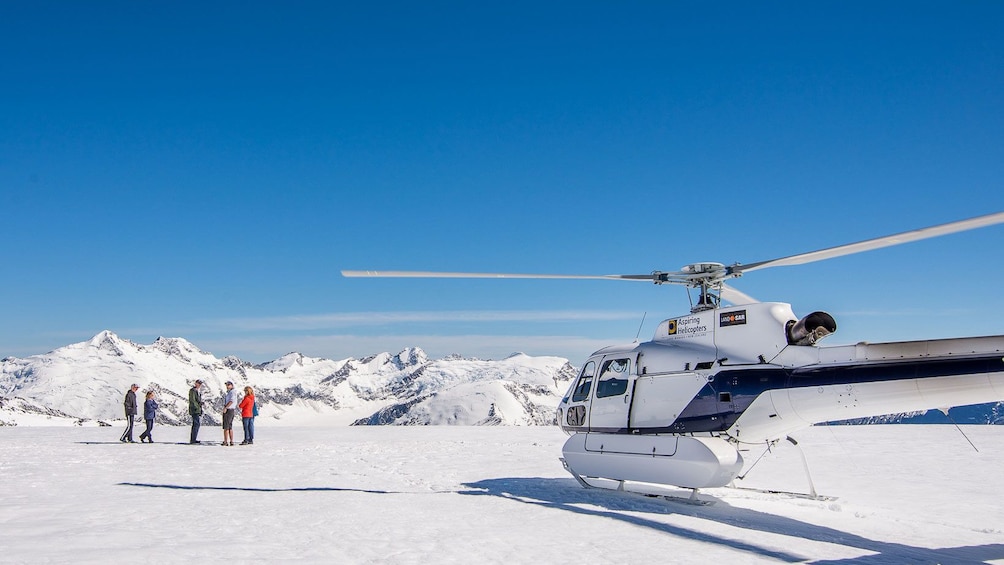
447,494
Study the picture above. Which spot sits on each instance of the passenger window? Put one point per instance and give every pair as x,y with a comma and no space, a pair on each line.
585,383
613,378
576,416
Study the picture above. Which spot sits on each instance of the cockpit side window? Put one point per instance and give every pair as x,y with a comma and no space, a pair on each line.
613,378
584,383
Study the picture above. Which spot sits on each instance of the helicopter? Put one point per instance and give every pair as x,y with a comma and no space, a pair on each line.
677,410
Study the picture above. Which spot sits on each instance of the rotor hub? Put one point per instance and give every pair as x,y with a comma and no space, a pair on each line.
701,268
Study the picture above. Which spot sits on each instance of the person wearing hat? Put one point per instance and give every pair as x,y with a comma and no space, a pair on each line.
229,405
130,413
195,409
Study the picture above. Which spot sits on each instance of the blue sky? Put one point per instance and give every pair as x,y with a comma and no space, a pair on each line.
206,171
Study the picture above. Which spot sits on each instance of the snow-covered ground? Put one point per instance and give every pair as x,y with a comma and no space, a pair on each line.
454,494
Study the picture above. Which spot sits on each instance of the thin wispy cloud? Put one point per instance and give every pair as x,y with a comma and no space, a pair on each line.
355,319
342,346
356,334
911,312
261,347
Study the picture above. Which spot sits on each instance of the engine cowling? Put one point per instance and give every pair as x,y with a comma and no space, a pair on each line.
810,329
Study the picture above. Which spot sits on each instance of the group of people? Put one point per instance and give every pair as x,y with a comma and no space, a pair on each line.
246,404
149,413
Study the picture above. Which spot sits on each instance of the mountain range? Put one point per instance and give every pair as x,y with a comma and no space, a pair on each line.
85,383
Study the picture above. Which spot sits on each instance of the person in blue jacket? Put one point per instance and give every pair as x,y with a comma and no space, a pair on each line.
149,414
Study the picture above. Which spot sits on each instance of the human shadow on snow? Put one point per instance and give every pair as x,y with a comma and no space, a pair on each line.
116,442
568,495
259,489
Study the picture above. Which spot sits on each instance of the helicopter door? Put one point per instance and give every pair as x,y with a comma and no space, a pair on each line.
577,414
611,399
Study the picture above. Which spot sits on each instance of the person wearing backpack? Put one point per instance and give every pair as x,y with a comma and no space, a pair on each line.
248,409
254,415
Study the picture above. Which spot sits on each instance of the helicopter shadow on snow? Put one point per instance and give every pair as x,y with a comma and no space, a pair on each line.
567,495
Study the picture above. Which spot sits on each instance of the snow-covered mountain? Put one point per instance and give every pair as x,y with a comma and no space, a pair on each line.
990,413
86,382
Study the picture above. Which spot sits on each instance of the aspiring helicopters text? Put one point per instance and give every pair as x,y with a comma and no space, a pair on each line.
675,410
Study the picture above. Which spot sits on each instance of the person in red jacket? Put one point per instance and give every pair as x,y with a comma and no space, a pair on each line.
247,415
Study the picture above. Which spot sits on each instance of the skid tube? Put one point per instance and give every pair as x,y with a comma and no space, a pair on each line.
692,499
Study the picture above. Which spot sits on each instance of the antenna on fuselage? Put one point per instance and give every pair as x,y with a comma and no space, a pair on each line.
637,335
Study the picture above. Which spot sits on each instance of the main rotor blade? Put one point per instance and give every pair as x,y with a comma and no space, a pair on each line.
736,297
877,243
441,275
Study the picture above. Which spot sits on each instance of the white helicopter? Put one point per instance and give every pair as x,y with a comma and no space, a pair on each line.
677,409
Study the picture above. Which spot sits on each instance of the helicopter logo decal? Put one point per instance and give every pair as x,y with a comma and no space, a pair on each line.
732,318
686,327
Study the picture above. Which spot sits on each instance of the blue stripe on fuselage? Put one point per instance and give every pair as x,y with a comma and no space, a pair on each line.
709,412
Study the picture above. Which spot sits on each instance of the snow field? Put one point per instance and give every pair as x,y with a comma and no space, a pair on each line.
454,494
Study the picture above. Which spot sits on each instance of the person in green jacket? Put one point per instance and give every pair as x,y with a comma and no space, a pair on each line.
195,409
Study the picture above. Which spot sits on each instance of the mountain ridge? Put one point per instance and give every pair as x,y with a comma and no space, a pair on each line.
85,382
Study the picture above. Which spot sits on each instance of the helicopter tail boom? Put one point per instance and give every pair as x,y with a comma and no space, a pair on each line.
836,393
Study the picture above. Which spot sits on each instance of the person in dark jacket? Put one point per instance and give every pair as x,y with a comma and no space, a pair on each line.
195,409
130,413
149,414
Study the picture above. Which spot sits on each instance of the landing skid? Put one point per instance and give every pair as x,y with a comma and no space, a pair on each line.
811,495
786,494
598,483
584,481
692,499
577,476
